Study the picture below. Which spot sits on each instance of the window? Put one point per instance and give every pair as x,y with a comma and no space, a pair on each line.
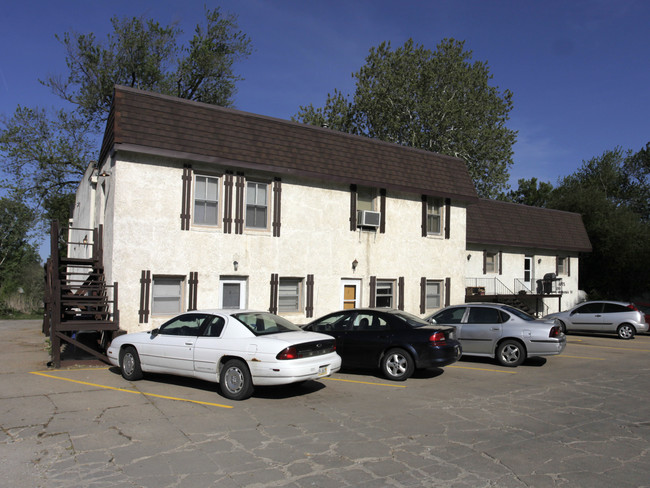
484,315
434,289
167,296
450,316
185,325
366,199
434,217
384,294
257,205
206,200
562,266
491,262
289,295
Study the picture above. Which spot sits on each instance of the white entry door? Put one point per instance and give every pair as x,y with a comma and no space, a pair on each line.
232,292
350,294
528,272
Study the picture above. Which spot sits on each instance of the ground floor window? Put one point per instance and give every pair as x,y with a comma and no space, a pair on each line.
289,294
434,292
385,293
167,295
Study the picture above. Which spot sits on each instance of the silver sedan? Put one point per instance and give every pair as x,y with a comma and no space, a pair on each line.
500,331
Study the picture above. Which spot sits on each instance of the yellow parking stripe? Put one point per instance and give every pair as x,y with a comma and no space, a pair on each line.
365,382
612,347
129,391
580,357
482,369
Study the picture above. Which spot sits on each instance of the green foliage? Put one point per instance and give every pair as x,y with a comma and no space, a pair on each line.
44,157
143,54
434,100
529,192
21,275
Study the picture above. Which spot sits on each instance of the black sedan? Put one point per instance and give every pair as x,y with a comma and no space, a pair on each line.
392,340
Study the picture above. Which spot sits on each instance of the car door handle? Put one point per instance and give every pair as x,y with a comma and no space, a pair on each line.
495,328
189,343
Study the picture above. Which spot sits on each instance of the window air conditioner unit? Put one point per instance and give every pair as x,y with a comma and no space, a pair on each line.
366,218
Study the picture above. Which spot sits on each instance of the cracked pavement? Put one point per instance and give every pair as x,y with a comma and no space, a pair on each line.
577,420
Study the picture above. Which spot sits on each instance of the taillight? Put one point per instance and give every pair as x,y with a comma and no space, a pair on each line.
631,306
289,353
438,338
555,331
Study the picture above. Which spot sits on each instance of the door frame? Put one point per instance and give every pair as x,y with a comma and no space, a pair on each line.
357,295
243,294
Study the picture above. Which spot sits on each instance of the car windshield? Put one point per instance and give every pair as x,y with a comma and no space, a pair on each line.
412,320
519,313
261,323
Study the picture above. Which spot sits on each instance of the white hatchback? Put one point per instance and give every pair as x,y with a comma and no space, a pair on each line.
235,348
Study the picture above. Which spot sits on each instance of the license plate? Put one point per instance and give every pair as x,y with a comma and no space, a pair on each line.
322,371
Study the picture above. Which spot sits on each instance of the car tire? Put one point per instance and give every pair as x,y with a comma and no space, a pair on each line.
235,380
397,365
562,326
130,364
626,331
511,353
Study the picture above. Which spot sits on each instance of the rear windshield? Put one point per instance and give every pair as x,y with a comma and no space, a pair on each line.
412,320
261,323
519,313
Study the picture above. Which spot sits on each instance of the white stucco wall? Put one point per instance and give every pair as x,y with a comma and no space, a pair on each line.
512,272
142,231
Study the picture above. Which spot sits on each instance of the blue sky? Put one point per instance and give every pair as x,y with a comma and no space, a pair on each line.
579,70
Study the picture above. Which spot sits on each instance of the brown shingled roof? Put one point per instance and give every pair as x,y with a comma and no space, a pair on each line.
510,224
159,124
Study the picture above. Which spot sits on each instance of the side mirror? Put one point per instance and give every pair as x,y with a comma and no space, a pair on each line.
154,333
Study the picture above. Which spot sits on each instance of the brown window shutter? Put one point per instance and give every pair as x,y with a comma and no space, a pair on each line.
353,207
447,292
239,203
568,266
447,218
373,290
277,201
484,262
227,202
193,282
500,262
275,282
382,209
557,265
309,309
187,198
423,295
424,216
400,293
145,288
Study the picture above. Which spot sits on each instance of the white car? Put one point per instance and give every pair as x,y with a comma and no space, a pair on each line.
235,348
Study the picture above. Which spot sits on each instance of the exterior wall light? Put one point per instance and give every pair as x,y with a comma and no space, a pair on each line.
355,263
235,265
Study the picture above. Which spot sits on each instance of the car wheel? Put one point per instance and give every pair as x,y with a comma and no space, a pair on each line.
511,353
625,331
130,364
235,380
562,326
397,365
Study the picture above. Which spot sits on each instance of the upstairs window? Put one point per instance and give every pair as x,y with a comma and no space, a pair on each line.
434,216
491,262
257,205
562,266
206,200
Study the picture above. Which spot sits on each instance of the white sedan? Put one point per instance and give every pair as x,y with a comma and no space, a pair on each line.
235,348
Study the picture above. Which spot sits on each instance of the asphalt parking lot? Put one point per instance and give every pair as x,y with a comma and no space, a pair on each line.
581,419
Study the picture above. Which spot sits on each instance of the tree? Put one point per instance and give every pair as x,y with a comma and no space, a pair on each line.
141,53
606,196
529,192
438,101
44,156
